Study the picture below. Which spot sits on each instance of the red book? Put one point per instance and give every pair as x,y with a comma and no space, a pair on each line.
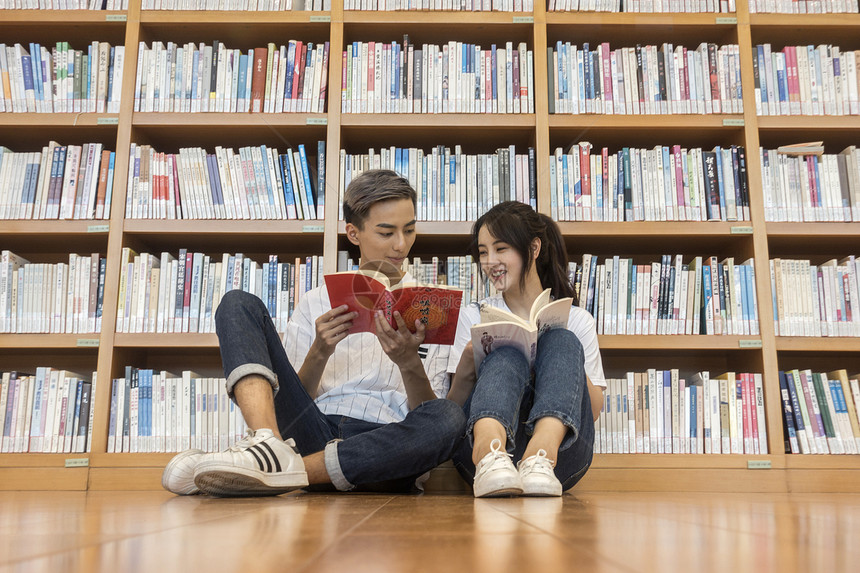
750,381
297,73
365,292
101,191
258,79
585,179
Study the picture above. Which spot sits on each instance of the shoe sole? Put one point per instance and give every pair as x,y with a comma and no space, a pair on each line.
239,482
192,489
503,492
544,493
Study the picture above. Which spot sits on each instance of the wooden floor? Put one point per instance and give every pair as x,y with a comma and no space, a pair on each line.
158,532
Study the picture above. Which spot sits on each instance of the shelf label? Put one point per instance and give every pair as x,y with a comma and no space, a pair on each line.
116,17
732,122
758,464
741,230
316,121
312,229
749,343
98,228
77,462
727,20
524,19
107,121
88,342
326,18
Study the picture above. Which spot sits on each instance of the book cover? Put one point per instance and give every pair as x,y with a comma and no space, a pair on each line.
500,328
364,292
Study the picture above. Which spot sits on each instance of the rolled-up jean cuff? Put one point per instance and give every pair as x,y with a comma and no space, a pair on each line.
249,370
470,427
332,466
569,439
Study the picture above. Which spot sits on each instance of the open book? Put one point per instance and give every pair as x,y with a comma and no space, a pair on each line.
500,327
365,292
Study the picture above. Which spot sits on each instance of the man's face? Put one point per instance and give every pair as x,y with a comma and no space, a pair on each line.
386,236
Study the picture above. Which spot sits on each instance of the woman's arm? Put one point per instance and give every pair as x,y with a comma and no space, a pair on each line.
595,393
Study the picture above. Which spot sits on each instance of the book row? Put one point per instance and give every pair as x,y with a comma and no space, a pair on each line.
256,183
456,77
451,186
665,79
659,412
49,411
806,80
822,187
704,296
215,78
61,182
803,6
815,299
820,411
51,298
45,79
181,293
666,183
643,6
457,271
63,4
441,5
238,5
156,411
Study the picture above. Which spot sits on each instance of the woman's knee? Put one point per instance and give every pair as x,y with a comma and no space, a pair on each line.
507,360
561,340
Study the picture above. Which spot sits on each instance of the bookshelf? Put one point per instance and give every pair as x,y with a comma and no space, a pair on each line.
49,241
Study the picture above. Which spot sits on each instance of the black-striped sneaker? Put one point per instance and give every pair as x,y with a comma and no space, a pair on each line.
258,465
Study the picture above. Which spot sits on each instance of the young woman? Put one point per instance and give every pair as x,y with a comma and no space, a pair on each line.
544,418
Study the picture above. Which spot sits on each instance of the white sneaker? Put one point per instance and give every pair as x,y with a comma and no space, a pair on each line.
495,474
537,476
178,476
259,464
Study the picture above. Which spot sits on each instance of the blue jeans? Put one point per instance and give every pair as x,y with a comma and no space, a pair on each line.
358,454
506,392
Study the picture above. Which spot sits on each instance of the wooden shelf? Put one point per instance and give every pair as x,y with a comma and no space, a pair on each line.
826,22
165,340
849,123
666,21
59,120
675,342
69,17
488,121
227,120
83,341
204,17
438,18
810,344
181,228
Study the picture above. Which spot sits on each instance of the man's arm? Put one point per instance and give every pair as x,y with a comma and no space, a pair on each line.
331,327
401,346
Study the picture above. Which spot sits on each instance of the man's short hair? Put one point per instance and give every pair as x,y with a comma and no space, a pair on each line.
370,188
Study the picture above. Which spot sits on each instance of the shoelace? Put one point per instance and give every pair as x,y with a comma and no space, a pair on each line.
244,443
497,452
531,463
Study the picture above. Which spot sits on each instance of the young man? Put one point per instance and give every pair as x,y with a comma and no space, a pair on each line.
364,411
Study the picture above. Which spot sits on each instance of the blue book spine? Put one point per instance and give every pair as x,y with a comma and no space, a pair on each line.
321,158
266,175
781,81
762,75
307,177
195,66
289,197
216,177
211,172
27,68
493,72
36,63
288,76
565,185
706,296
693,413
